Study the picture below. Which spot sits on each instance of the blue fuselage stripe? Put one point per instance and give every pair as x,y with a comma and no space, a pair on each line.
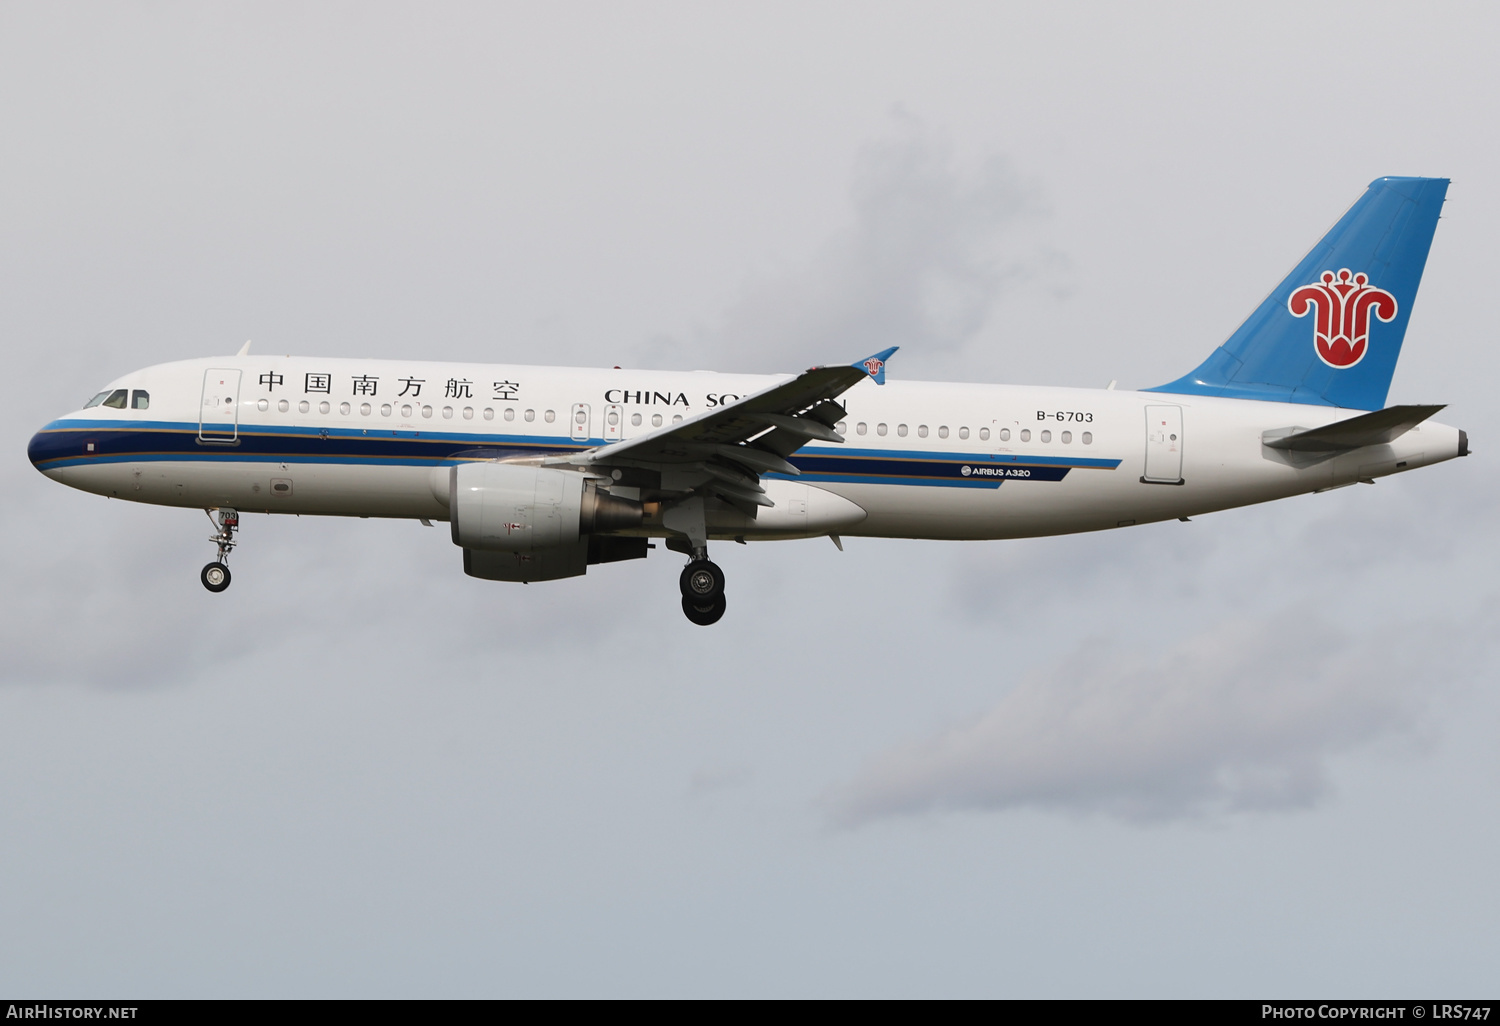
75,443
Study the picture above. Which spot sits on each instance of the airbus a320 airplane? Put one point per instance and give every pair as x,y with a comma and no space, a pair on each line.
542,472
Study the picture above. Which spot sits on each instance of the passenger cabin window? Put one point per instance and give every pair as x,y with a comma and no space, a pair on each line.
140,399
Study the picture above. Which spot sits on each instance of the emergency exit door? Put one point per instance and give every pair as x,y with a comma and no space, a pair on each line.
614,423
219,414
1163,445
582,429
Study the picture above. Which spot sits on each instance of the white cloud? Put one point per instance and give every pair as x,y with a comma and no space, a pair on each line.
1241,717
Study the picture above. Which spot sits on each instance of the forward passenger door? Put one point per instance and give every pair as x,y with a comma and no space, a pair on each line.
219,413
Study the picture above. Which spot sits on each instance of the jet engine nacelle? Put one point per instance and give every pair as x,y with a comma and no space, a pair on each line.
523,523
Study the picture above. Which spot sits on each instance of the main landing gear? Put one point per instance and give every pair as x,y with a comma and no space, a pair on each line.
702,581
215,576
702,584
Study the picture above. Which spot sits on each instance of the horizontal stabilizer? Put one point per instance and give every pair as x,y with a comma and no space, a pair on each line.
1355,433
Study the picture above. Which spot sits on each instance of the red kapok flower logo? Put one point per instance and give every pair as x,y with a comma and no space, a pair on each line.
1344,301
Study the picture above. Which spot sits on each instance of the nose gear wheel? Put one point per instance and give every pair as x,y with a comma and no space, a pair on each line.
215,577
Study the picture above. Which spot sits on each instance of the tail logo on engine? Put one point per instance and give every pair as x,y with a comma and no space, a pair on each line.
1344,301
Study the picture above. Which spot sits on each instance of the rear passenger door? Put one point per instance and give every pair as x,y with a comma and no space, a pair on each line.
1163,445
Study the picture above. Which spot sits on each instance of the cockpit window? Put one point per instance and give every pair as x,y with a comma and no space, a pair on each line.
96,400
116,400
140,399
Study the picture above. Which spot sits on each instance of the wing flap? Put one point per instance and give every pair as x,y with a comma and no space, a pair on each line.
805,426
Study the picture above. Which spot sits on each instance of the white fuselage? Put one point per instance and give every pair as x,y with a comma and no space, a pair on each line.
374,438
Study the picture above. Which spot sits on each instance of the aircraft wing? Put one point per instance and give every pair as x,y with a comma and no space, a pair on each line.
723,451
1355,433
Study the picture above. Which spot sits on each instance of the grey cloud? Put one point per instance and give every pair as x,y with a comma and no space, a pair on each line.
1241,717
1358,548
708,779
120,605
931,249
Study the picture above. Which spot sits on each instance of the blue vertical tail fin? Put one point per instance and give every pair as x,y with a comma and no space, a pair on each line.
1330,333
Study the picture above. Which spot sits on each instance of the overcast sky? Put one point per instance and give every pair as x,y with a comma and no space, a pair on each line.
1249,755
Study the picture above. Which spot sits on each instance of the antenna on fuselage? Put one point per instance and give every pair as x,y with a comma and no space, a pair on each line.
244,349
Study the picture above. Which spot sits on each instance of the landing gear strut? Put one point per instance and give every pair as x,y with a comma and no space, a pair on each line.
702,585
215,576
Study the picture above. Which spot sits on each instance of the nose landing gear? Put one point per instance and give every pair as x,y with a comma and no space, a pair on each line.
215,575
702,585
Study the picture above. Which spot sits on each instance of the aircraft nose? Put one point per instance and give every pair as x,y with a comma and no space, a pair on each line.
43,448
34,449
